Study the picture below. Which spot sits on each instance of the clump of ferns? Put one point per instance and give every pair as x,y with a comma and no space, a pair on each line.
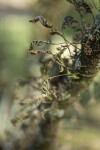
49,99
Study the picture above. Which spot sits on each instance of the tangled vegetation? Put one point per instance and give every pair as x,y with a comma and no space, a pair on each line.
64,78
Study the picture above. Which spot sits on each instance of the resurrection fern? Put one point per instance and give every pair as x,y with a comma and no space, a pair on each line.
82,63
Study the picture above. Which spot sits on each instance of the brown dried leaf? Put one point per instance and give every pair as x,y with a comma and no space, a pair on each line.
35,52
43,21
68,20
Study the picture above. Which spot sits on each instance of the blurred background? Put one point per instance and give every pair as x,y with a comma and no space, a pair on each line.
81,127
